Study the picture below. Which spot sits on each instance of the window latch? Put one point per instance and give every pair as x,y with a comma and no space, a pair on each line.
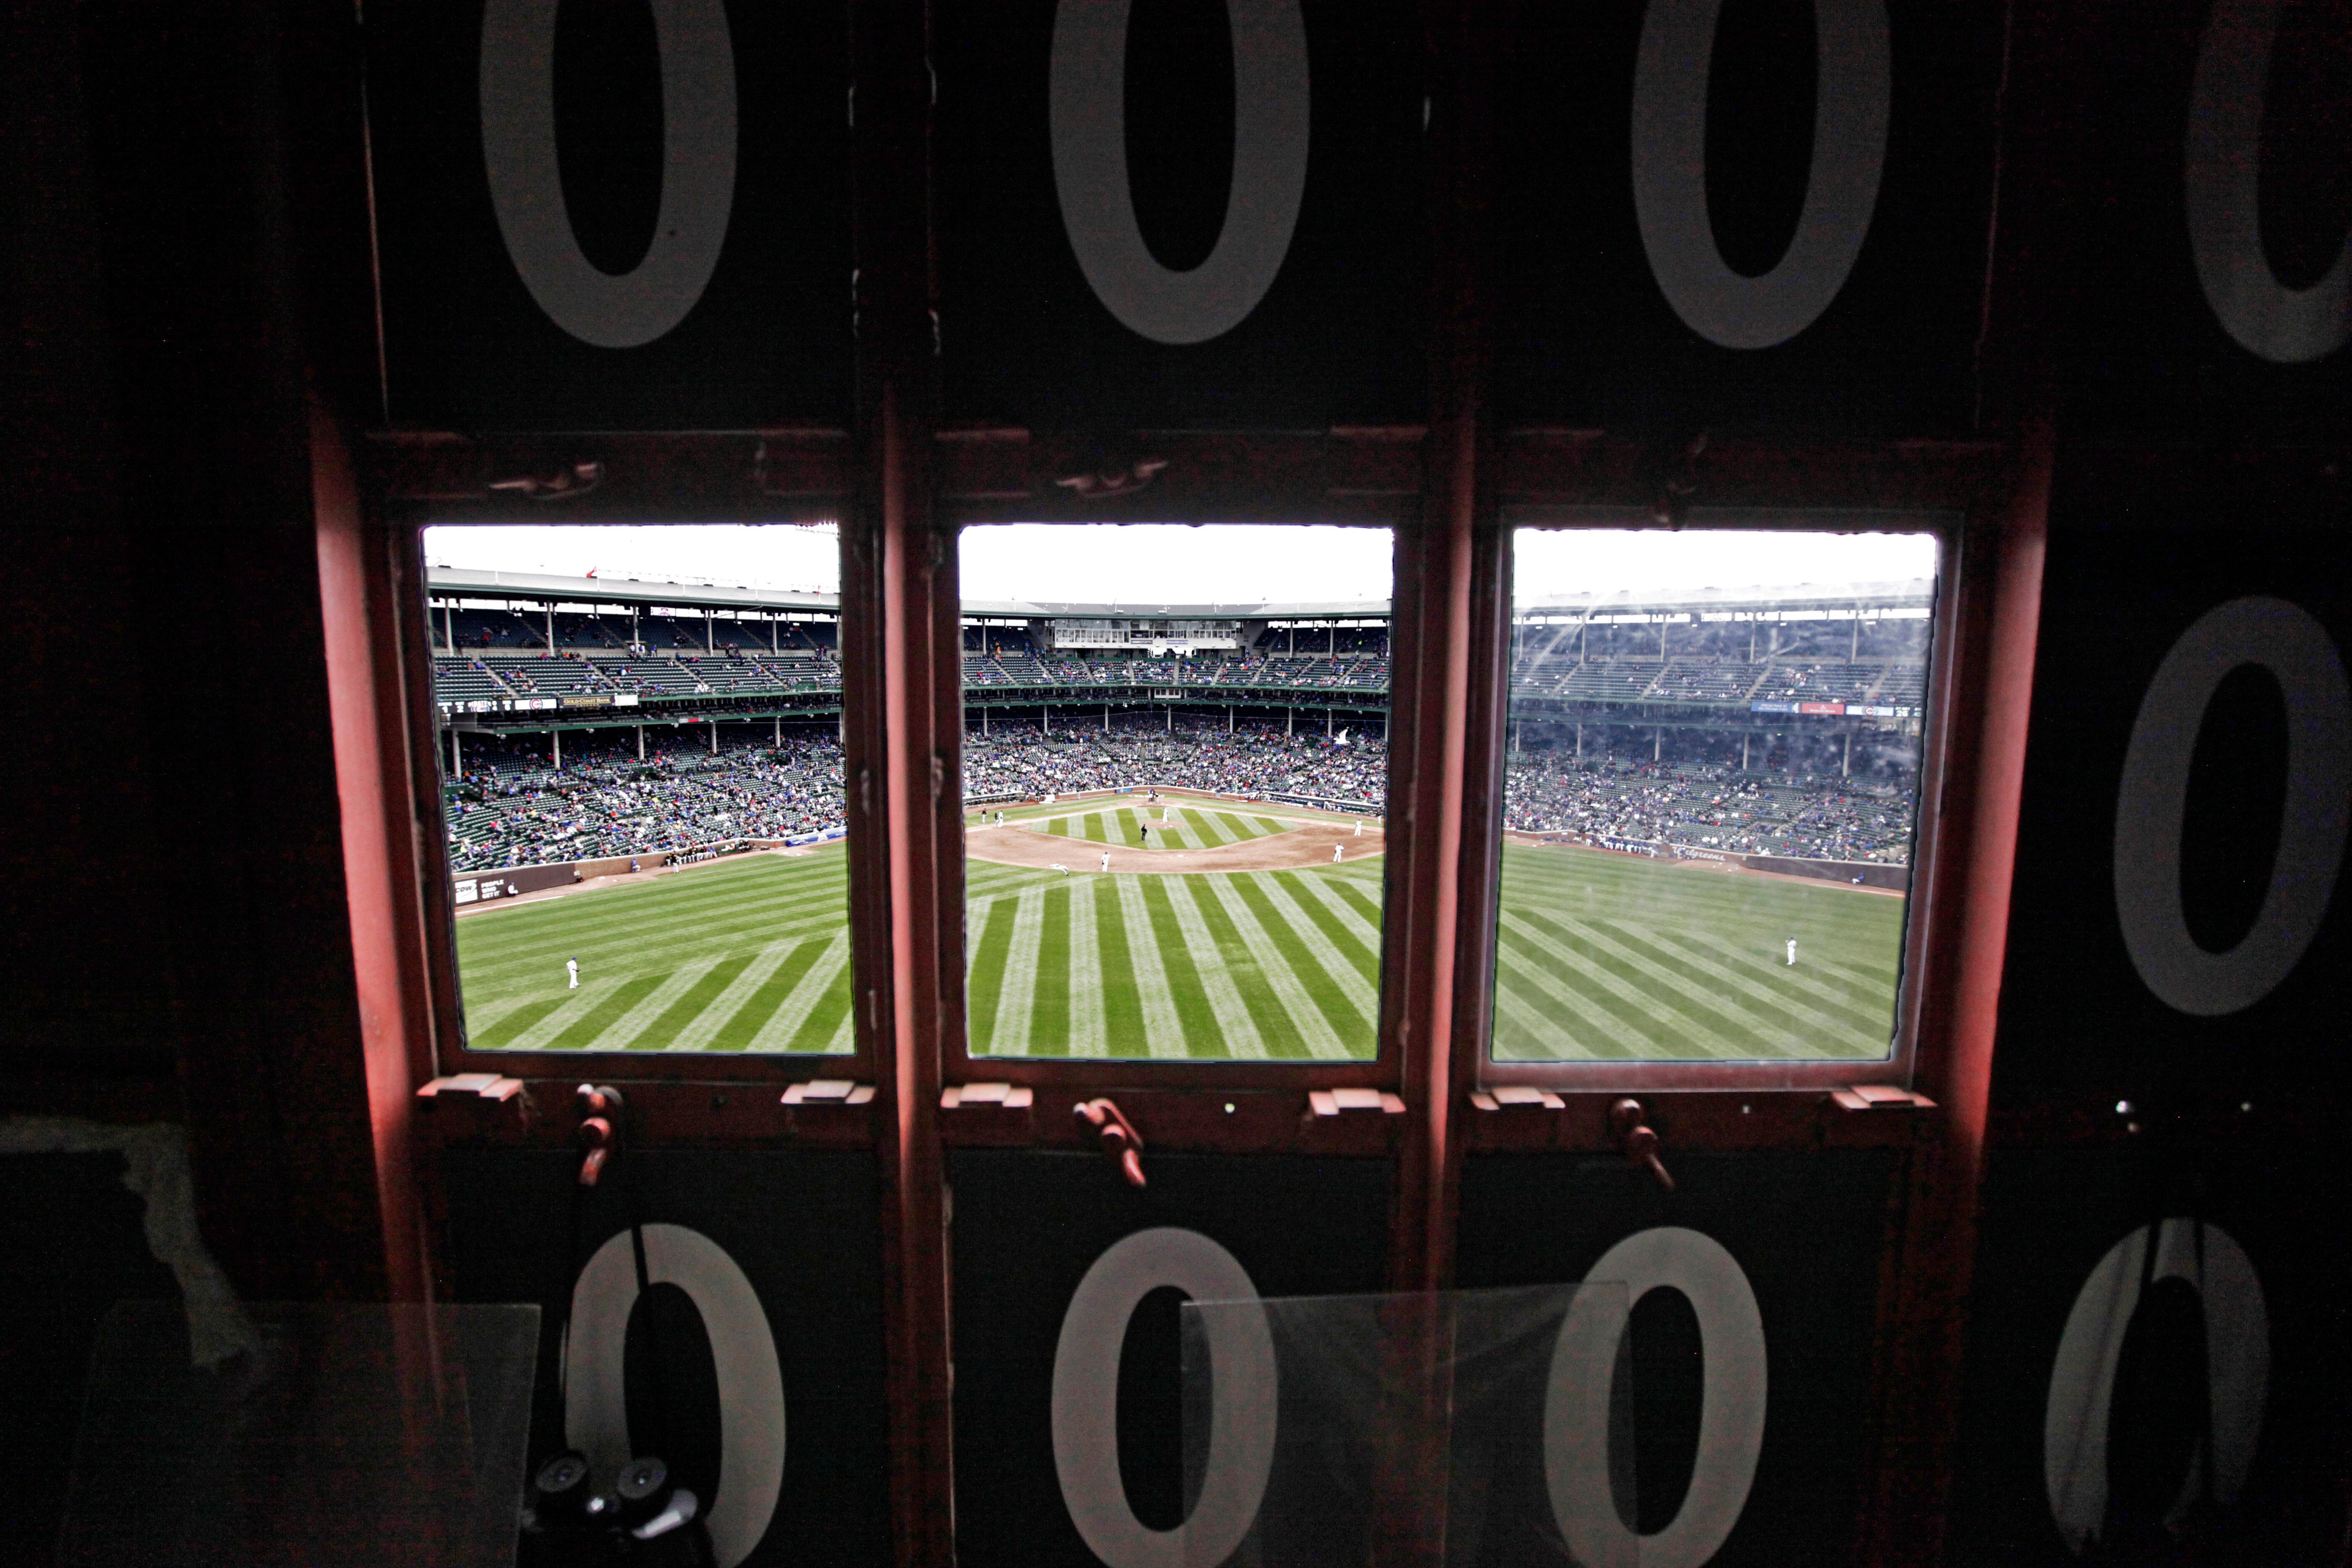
599,1132
1641,1140
1118,1136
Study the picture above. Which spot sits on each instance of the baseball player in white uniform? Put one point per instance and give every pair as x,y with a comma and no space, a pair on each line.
571,968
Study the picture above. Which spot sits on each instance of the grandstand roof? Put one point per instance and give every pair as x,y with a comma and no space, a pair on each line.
464,581
473,582
470,583
1903,592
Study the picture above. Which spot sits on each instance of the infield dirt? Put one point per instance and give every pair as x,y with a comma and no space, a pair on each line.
1309,844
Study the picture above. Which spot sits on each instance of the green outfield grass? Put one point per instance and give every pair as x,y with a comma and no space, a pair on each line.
1602,956
742,955
1215,965
1610,956
1180,828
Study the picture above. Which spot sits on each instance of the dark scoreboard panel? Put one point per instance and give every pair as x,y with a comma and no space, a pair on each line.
1754,1292
601,214
2177,924
1176,214
2145,1399
748,1352
1041,1241
2214,269
1759,216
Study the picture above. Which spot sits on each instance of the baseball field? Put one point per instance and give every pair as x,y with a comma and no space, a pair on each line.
1214,934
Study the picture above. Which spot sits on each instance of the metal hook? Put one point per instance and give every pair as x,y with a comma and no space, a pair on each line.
1641,1141
1119,1135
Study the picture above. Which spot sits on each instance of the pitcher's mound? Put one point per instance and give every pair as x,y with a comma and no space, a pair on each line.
1306,846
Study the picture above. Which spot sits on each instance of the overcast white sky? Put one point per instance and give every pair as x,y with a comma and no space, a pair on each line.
1606,560
1173,564
734,555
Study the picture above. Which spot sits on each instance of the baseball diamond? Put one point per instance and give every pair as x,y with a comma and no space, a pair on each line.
1181,954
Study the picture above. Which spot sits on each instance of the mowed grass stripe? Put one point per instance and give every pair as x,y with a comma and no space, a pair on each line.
1086,1037
742,1026
1117,1026
1335,922
1016,994
1333,976
1049,1007
1240,960
589,1026
1327,1023
1240,1032
657,1035
984,977
1533,1023
1201,1032
1157,1011
788,1028
1746,1024
1615,987
621,930
697,1033
1784,991
510,1023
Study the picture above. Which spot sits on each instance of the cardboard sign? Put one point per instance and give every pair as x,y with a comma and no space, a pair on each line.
1030,1232
2177,923
1206,216
2213,273
763,1276
606,217
1755,1290
2130,1397
1752,217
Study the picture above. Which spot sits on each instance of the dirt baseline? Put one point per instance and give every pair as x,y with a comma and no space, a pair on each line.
1305,846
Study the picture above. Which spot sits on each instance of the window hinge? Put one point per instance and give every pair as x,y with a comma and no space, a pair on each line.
1334,1102
1880,1096
828,1091
1010,1097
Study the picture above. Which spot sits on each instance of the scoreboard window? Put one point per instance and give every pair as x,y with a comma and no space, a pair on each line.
1175,771
639,733
1711,786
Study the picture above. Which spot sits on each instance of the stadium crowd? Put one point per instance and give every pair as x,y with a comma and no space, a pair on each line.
1254,759
1705,807
513,807
518,809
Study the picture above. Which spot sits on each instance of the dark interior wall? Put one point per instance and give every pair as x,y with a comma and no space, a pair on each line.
172,873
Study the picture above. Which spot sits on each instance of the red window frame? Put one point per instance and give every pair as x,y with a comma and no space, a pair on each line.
1384,1070
453,1054
1895,1067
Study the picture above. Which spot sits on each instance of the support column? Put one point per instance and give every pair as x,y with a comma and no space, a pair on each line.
714,738
1048,715
449,626
551,628
1229,718
1845,769
1657,743
779,741
641,742
555,736
1290,716
457,757
1171,718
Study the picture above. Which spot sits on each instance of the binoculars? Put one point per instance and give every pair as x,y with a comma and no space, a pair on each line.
646,1519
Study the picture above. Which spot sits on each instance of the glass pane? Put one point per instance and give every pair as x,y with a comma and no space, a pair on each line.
352,1433
1709,793
1483,1428
641,765
1175,766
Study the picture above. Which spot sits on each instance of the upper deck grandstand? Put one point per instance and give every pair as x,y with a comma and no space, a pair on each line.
591,717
